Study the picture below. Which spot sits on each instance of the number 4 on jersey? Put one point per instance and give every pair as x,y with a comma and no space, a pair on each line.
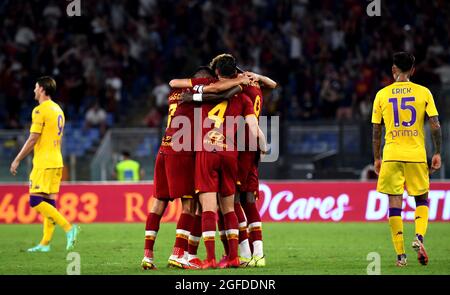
217,113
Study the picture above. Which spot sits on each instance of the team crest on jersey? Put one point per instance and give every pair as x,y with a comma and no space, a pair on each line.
166,141
175,96
214,137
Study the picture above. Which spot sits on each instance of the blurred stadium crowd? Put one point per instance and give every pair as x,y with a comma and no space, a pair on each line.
328,56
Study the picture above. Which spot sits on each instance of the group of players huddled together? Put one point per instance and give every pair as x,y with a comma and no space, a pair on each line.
209,159
204,162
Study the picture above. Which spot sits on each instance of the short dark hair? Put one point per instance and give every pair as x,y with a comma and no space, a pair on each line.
404,61
226,66
213,62
203,71
126,154
48,84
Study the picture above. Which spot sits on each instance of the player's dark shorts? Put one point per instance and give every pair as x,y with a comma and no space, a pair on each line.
248,172
174,176
215,172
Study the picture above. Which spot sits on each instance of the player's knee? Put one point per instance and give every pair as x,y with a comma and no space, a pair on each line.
187,206
395,201
35,200
209,205
158,207
227,205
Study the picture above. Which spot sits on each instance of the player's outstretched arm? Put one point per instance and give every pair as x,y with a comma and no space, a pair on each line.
187,97
436,136
376,145
26,149
216,87
180,83
264,80
225,84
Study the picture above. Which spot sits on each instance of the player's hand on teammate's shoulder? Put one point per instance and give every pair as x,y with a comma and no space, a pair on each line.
377,166
435,163
14,166
253,76
244,79
186,96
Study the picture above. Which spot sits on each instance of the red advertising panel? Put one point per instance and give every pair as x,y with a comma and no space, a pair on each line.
279,201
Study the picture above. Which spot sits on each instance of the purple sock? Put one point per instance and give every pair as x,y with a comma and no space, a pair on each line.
421,201
395,212
420,237
35,200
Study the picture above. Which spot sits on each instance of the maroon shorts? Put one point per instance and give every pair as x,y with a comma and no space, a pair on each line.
174,176
248,172
215,172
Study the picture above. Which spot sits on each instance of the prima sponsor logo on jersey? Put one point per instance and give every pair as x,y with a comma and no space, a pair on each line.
230,136
404,133
298,208
378,205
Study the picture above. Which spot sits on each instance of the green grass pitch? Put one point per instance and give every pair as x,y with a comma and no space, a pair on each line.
291,248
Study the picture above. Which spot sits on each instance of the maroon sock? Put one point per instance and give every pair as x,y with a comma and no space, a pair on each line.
231,226
254,221
209,232
243,235
196,234
151,230
222,233
184,225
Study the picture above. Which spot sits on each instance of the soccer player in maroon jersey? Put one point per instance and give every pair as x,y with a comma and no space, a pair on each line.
209,92
217,166
248,184
170,182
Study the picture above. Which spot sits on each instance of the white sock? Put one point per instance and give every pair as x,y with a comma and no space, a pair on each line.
244,249
258,248
190,257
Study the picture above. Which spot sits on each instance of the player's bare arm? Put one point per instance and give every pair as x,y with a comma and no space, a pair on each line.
216,87
262,141
376,145
26,149
256,132
436,136
227,94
